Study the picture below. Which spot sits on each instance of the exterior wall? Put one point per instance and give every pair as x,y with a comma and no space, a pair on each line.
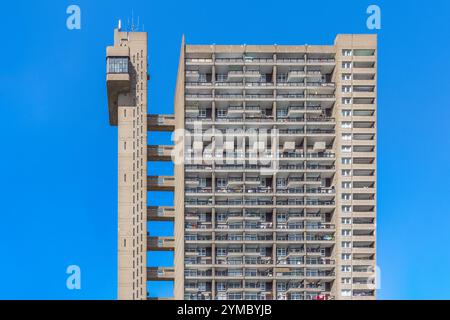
360,220
132,172
179,181
363,233
352,42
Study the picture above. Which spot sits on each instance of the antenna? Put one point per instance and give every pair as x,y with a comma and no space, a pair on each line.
133,27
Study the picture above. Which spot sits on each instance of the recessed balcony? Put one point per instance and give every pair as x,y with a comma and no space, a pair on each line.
160,243
160,213
160,183
159,153
192,75
160,273
296,75
161,123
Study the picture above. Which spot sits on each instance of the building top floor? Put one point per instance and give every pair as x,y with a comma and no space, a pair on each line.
362,41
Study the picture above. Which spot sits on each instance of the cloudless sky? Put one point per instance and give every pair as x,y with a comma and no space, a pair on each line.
58,187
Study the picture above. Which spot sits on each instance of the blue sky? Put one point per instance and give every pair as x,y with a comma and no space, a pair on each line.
58,191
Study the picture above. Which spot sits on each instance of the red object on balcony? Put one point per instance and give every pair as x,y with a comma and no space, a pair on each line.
321,297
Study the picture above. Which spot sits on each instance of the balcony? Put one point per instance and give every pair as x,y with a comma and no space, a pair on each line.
321,61
197,296
296,75
117,78
199,61
160,274
159,183
249,74
160,243
300,154
160,213
232,110
159,153
194,273
198,226
198,190
192,75
160,123
295,202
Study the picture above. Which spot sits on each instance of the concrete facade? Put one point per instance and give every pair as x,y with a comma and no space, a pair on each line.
127,103
283,207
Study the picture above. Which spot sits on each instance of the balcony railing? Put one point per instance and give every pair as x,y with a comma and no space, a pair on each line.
306,155
199,60
198,84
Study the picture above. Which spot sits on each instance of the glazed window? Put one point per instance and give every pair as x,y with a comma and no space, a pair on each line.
117,65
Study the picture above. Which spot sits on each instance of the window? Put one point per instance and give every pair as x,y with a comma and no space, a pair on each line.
263,78
221,252
346,233
347,52
347,77
282,77
281,183
251,296
234,296
346,220
345,268
346,293
263,183
202,182
346,136
222,113
346,89
346,244
364,52
117,65
346,196
262,286
346,161
346,172
346,113
202,252
202,77
346,256
202,286
281,286
202,113
346,64
221,77
346,125
346,280
346,185
346,149
221,286
222,182
346,100
346,208
296,296
282,113
281,252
